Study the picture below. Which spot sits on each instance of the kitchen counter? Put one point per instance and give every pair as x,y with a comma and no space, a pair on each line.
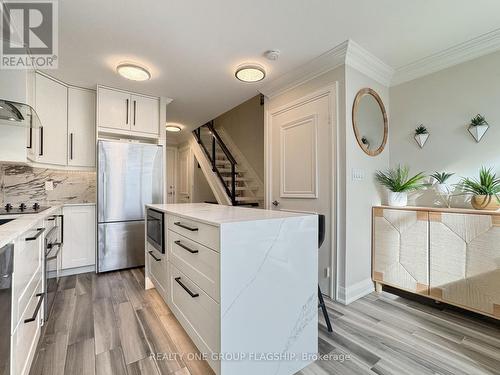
21,223
214,214
241,281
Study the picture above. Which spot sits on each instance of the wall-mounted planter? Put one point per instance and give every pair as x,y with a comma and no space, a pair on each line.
478,131
421,139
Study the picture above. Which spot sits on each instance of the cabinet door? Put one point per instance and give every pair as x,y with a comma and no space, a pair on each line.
464,260
400,249
114,109
79,236
184,180
145,114
51,99
81,127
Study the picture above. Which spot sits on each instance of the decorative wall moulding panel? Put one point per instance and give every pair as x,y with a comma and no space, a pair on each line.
299,160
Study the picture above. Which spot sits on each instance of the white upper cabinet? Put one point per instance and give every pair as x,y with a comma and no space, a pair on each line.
145,114
81,127
124,112
114,109
51,105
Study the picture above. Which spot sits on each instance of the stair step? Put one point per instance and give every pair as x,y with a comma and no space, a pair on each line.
228,170
237,179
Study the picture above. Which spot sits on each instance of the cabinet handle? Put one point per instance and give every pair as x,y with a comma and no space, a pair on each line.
134,111
71,146
127,109
37,309
41,142
178,243
193,295
38,234
192,229
155,258
30,145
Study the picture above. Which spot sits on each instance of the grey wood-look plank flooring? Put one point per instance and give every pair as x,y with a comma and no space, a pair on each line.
108,324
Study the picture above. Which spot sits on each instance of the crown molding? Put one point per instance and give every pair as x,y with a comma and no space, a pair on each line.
325,62
460,53
360,59
346,53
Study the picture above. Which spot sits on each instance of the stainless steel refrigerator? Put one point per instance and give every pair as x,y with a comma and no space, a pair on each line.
130,175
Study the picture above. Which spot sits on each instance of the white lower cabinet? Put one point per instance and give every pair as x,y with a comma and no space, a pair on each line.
157,266
27,298
79,236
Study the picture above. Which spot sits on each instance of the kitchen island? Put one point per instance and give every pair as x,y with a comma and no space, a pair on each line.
242,282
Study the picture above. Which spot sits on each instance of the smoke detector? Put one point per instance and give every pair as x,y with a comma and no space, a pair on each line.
272,54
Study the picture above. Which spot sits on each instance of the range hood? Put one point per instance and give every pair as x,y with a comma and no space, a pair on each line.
18,114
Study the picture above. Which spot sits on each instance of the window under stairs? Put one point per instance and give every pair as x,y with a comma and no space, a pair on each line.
238,184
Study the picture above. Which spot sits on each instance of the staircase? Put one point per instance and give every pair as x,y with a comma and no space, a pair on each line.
238,185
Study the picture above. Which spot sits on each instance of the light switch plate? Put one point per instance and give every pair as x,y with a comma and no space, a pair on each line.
357,174
49,185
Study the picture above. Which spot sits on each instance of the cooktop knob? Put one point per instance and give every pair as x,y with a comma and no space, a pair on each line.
22,206
36,206
8,207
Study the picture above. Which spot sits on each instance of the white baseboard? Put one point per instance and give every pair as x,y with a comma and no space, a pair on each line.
356,291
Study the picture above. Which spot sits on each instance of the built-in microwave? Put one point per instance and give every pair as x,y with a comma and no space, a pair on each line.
154,232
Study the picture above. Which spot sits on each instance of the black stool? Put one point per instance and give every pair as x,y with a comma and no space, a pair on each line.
321,238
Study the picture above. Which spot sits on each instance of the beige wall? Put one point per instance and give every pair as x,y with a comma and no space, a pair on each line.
201,189
245,125
445,102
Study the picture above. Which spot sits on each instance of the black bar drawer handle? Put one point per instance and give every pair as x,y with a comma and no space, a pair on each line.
38,305
52,218
193,295
178,243
155,258
39,232
179,224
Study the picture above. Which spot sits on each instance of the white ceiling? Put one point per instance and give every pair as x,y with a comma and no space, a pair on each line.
193,47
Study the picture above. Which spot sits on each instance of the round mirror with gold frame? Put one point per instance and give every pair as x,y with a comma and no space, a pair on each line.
369,120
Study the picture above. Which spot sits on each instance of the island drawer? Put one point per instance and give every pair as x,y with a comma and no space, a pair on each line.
205,234
198,262
195,310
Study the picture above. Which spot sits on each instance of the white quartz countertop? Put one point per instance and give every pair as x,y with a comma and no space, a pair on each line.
21,224
215,214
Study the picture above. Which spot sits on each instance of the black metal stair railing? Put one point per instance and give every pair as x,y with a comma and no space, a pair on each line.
210,147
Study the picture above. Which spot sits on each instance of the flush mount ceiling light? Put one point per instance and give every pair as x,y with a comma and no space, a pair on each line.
250,73
133,72
173,128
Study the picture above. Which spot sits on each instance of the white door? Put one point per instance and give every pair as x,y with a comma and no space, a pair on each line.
114,109
79,236
184,180
301,168
51,100
81,127
145,113
171,173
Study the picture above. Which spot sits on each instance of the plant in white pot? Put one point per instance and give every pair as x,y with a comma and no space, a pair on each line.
485,190
421,135
399,184
441,186
478,127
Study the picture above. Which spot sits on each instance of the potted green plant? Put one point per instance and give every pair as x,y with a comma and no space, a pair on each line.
441,186
398,183
421,135
478,127
485,190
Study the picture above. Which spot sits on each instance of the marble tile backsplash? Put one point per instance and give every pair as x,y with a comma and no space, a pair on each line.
22,183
